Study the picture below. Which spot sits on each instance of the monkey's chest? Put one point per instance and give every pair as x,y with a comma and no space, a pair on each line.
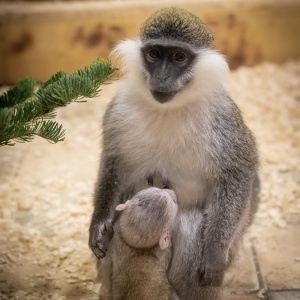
171,149
163,148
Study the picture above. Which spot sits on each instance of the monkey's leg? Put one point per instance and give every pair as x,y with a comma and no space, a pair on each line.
255,197
183,273
104,272
224,219
240,232
174,296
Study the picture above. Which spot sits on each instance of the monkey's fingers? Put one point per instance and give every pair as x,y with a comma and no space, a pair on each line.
100,237
98,252
99,245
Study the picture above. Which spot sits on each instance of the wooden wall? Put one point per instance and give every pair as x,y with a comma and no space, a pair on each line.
38,39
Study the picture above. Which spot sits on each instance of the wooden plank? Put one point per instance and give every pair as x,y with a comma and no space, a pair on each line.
284,295
37,39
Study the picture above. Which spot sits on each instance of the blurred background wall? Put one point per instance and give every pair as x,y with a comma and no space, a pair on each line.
38,38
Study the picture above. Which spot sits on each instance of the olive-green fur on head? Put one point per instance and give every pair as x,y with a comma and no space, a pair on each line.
177,24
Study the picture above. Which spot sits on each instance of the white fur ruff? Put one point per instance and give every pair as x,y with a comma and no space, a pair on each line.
169,138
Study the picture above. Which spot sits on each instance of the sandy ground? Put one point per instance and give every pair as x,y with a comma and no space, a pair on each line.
46,192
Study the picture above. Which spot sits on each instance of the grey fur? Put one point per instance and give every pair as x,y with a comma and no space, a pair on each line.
135,262
197,142
177,24
181,273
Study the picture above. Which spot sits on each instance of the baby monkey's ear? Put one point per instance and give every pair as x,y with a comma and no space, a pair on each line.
164,241
122,206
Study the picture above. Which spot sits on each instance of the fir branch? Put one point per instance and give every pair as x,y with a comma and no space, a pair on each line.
23,90
15,132
98,71
53,79
49,130
24,113
65,88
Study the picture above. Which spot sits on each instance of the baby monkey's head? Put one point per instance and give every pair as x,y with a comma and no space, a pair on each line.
147,219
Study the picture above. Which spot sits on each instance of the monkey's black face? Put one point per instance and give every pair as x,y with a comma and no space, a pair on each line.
168,67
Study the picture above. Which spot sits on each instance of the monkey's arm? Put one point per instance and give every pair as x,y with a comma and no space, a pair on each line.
109,184
101,227
227,214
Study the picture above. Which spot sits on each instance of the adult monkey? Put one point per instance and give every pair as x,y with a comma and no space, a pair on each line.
173,117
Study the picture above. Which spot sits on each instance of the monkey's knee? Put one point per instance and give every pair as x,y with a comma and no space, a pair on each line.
104,294
232,256
173,296
105,291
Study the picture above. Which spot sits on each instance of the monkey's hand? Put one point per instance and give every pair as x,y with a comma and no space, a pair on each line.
100,236
213,266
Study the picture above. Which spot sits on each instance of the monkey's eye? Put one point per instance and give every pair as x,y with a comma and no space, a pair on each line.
153,55
180,57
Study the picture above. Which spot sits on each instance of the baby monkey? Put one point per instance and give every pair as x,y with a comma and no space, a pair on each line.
140,251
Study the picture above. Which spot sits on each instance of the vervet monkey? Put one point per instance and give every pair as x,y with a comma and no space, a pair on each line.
140,250
172,116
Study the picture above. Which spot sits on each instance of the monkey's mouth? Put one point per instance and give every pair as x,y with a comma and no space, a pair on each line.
163,97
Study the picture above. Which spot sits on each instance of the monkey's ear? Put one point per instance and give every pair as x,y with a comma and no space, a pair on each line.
121,207
164,241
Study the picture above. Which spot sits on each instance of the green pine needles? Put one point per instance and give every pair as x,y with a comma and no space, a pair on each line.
26,112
